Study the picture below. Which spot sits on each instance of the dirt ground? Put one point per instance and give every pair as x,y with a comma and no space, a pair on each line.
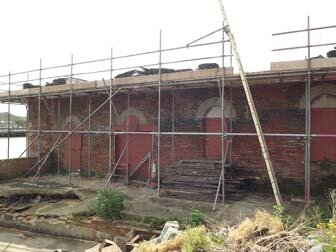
139,200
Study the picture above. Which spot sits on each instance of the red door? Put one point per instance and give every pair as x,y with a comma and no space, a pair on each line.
323,121
76,150
213,144
138,148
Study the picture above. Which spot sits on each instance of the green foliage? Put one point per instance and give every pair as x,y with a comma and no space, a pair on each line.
328,237
197,239
317,215
281,213
196,218
109,203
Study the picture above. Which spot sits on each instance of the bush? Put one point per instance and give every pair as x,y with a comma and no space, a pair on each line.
196,218
109,203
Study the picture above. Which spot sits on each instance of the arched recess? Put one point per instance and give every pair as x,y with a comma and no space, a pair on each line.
323,121
74,142
133,148
132,112
320,96
203,109
210,112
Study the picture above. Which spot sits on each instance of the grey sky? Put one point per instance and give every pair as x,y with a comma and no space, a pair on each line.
52,30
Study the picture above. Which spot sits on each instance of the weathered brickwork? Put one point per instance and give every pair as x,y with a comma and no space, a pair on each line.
277,105
13,168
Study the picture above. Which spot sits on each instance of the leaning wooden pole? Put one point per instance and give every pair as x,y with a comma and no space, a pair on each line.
253,110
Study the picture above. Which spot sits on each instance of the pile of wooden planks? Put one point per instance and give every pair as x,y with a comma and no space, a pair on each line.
198,180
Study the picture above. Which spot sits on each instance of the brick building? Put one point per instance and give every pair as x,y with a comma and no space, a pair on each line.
190,111
190,102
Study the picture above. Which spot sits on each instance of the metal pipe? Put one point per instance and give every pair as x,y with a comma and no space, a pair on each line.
173,128
127,68
230,127
302,47
298,135
39,114
58,135
110,116
205,36
114,58
304,30
128,139
27,126
8,115
27,148
70,118
89,137
308,123
222,120
159,115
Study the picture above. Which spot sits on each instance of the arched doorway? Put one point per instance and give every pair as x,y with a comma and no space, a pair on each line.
134,150
213,123
323,121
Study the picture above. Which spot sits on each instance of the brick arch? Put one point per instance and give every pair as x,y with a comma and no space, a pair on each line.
323,119
132,112
67,121
208,104
322,96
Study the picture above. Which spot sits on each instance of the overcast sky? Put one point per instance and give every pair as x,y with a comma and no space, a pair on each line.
54,29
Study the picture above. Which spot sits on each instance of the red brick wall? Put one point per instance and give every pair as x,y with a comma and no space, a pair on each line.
13,168
276,104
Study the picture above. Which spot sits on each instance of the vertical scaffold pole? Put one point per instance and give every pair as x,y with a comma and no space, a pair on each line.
89,149
308,119
173,127
70,119
159,115
8,115
222,118
58,134
127,138
110,116
39,116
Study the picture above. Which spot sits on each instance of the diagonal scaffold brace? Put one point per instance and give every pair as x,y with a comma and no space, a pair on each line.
253,110
58,142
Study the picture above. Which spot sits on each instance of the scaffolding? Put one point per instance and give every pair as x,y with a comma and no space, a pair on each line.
14,81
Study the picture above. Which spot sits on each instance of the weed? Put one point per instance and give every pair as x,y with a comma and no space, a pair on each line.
109,203
197,239
281,213
191,240
196,218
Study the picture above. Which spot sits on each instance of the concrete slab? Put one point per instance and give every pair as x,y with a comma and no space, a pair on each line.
13,240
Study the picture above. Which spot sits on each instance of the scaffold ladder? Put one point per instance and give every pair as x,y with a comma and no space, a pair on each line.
253,110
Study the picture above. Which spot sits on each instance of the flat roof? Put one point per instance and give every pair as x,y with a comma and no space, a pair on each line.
187,79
